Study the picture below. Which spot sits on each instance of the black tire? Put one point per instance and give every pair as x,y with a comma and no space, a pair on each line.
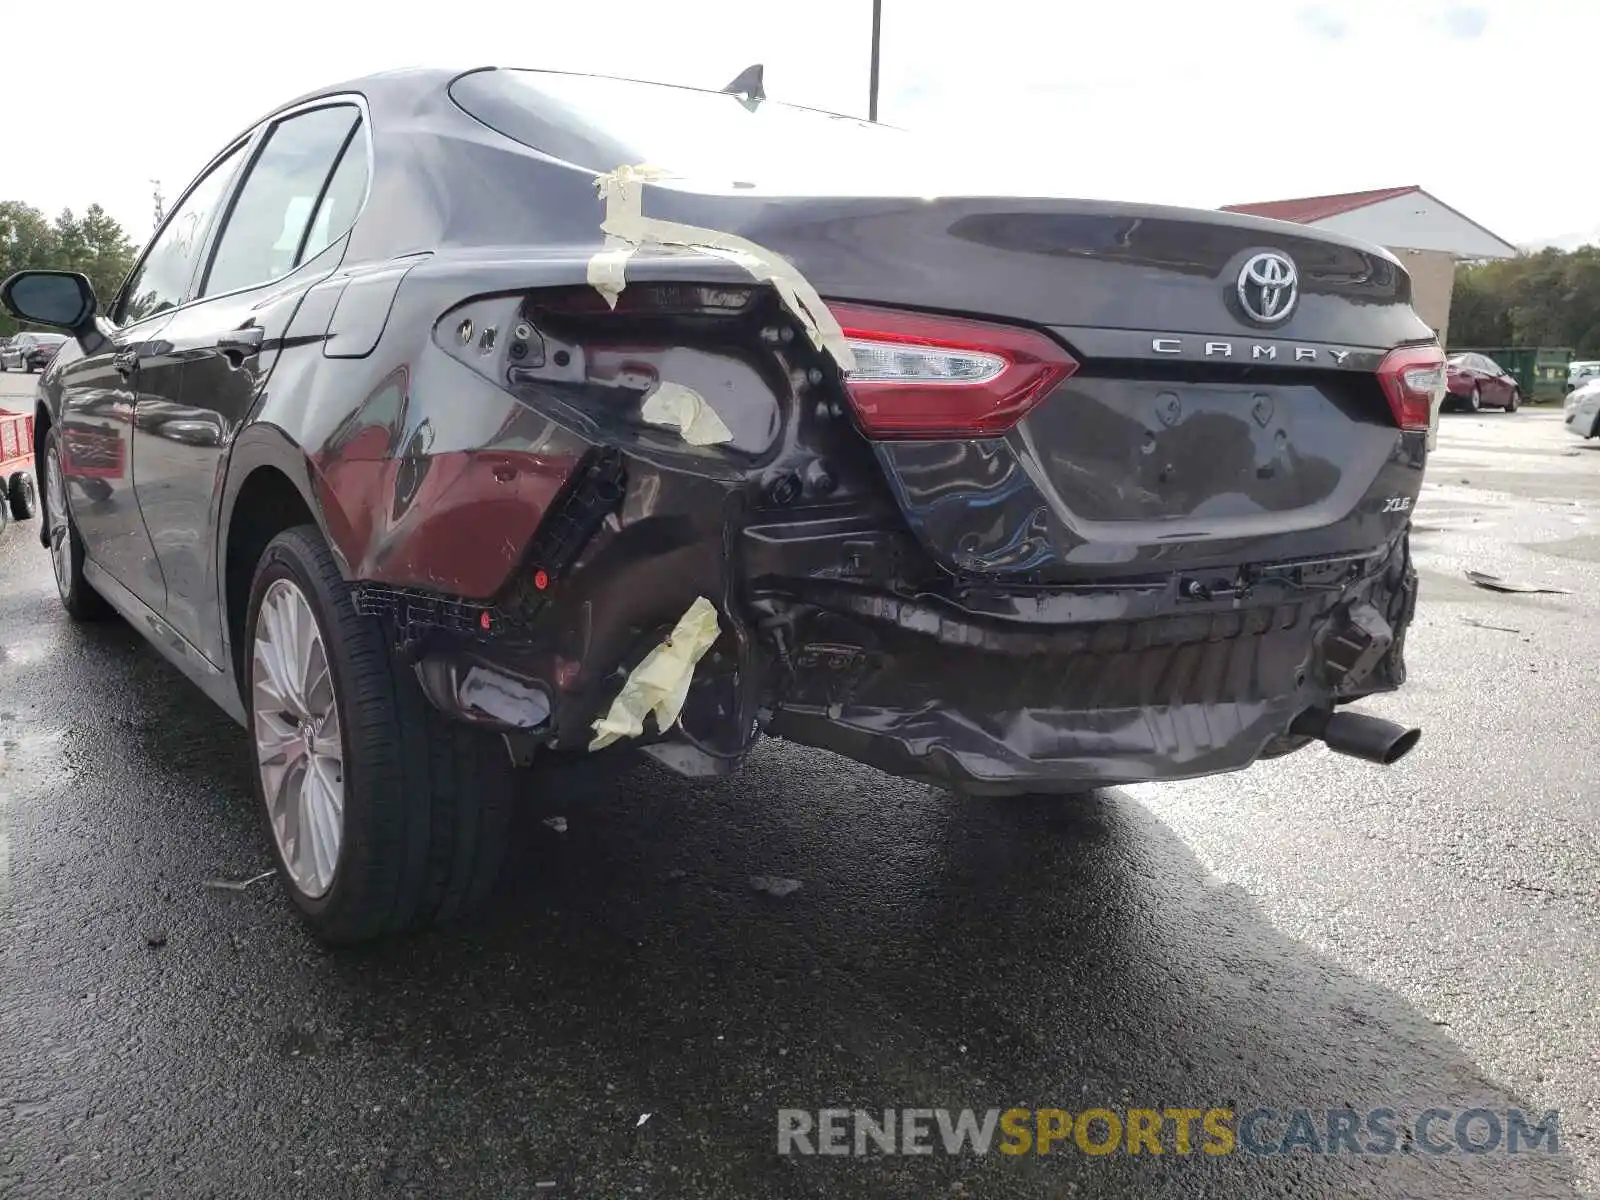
1475,401
22,496
1515,402
78,596
427,801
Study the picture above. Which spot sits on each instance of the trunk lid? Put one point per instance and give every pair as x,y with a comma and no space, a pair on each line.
1205,425
1067,263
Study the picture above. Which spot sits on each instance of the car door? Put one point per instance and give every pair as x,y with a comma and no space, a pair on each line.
1496,384
281,233
100,391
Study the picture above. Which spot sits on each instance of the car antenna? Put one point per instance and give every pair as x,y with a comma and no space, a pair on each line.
748,85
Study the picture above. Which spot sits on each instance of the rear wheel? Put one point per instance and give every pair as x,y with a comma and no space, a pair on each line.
383,815
78,597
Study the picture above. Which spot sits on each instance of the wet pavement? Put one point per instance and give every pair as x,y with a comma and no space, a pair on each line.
1315,933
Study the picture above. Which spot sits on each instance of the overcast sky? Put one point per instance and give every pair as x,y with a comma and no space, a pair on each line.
1489,104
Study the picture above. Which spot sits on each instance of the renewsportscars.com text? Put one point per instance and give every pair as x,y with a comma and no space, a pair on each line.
1212,1131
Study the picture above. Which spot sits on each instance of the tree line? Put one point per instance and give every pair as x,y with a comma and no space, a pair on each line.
93,243
1551,298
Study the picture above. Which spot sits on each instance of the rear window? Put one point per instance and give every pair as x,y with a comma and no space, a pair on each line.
716,139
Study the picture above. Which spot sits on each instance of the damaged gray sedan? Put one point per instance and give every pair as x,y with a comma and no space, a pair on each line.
456,422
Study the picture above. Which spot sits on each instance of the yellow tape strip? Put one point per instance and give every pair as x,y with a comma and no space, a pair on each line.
627,228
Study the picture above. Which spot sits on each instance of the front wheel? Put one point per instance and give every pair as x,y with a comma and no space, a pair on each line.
1475,401
383,815
78,596
1515,402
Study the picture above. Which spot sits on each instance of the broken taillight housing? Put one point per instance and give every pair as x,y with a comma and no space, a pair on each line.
1412,378
923,376
646,300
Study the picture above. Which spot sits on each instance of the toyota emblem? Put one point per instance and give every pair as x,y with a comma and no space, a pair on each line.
1268,287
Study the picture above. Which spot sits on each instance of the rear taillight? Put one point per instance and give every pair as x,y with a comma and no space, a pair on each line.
1412,378
922,376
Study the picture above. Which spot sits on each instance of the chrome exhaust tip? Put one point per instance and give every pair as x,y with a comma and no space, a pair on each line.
1371,739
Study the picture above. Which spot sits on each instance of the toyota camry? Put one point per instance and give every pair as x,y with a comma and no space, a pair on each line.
455,422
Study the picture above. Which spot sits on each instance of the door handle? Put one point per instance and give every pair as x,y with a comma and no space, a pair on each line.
126,362
241,343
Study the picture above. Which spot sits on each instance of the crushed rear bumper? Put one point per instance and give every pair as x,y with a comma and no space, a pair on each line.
950,697
1056,689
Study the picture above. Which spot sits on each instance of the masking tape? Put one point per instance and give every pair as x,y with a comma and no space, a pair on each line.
660,683
684,409
627,228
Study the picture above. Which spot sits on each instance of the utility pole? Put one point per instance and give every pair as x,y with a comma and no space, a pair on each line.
877,29
161,204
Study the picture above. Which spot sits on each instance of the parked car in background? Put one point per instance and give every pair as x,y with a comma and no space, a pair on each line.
1582,372
928,483
1583,410
30,351
1476,381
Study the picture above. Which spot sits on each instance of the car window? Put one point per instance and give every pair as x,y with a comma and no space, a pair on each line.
261,239
342,201
161,280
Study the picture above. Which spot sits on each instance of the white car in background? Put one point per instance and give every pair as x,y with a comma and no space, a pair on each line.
1581,373
1583,410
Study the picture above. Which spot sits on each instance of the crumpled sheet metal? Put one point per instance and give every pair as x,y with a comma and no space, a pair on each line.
674,406
627,228
660,684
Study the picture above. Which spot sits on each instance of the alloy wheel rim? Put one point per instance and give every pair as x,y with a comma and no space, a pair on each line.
57,525
299,747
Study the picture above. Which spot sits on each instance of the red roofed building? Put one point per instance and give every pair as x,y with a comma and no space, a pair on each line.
1422,231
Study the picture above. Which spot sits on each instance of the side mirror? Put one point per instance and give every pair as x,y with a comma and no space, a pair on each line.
58,299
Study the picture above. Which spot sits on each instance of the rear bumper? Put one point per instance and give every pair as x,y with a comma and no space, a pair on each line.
1000,693
1001,707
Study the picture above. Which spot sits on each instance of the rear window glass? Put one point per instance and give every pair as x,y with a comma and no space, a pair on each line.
711,137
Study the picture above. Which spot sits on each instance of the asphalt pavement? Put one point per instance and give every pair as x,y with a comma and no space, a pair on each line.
631,1014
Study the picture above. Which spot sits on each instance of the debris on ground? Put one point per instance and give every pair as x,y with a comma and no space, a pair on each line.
238,885
1482,624
155,939
559,824
643,1117
773,885
1494,583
